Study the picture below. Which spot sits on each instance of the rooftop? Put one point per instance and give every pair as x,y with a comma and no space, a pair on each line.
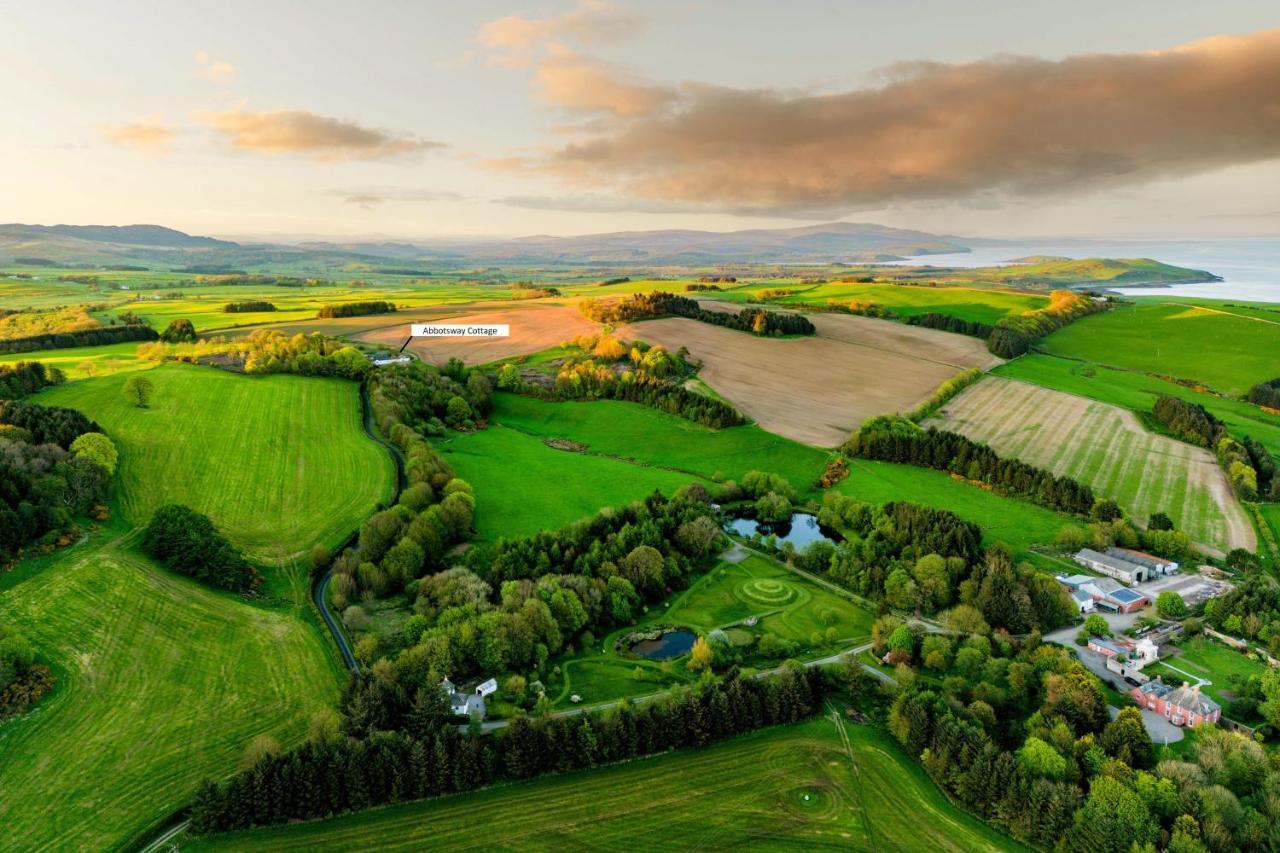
1113,563
1127,596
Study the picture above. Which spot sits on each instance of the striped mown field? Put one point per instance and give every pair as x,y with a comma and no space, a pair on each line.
278,462
161,682
813,786
1107,448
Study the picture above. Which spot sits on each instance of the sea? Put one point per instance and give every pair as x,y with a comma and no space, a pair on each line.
1249,267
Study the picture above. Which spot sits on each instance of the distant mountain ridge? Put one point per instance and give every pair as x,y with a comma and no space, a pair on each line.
830,243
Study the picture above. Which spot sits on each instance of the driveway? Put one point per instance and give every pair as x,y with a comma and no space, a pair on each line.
1160,729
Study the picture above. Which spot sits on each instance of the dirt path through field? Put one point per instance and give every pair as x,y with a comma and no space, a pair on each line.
1108,448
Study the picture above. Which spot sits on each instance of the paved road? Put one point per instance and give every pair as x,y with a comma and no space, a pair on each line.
1160,729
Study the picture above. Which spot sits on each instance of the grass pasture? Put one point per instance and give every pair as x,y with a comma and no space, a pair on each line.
86,362
278,462
1229,352
1211,661
815,786
523,485
161,681
635,432
1107,448
982,306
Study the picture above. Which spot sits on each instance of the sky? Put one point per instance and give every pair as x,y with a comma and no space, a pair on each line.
437,119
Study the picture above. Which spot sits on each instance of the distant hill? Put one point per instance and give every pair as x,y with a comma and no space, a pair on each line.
131,235
830,243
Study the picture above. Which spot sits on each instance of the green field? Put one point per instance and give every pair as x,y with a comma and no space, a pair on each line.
1209,660
161,681
632,431
85,362
816,785
1139,391
522,485
1018,523
1224,351
982,306
278,462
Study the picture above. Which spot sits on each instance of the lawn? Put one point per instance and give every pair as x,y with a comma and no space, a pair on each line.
1018,523
816,785
523,485
278,462
631,431
1209,660
161,682
1139,391
1227,352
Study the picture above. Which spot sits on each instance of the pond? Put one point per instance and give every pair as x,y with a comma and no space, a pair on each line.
672,644
801,530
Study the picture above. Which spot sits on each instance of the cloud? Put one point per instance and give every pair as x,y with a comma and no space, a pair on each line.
578,82
371,197
213,70
148,134
1011,127
315,136
516,37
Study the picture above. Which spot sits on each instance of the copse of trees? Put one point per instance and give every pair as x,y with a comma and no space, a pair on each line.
180,331
46,424
27,377
22,679
251,306
893,438
422,755
189,542
645,306
1266,394
1189,422
268,351
357,309
1014,335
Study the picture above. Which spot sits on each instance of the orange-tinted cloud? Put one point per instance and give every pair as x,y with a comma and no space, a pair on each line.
215,71
577,82
1009,127
515,38
315,136
148,134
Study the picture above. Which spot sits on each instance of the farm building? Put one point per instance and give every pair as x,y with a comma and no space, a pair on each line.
1106,648
1182,706
1123,570
1104,593
1156,565
1124,601
1083,600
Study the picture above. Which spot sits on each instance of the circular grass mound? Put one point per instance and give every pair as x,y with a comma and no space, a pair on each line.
769,591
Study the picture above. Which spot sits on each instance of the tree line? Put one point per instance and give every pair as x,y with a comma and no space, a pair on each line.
950,323
27,377
1266,394
647,306
356,309
1014,335
268,351
609,370
892,438
82,338
249,306
189,543
419,754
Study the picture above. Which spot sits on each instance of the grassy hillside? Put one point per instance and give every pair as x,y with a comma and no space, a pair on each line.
85,362
817,785
278,462
523,486
1227,352
161,682
632,431
980,305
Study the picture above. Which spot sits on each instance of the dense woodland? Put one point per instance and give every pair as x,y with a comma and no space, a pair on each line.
357,309
27,377
1014,335
189,543
374,759
648,306
897,439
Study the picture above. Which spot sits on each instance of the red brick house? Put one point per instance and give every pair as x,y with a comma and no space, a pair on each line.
1182,706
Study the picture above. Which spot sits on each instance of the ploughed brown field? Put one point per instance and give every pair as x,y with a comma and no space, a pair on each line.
534,327
818,389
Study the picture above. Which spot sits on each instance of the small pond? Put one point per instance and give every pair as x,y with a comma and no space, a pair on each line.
672,644
801,530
